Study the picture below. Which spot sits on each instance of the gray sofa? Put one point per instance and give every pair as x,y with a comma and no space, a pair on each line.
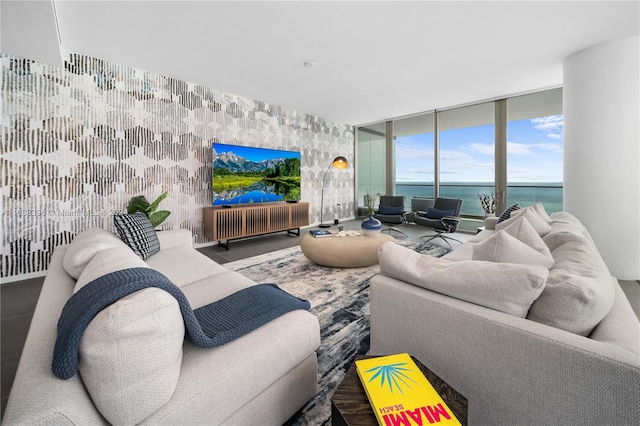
135,364
525,339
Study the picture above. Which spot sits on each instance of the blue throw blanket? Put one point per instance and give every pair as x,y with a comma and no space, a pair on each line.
212,325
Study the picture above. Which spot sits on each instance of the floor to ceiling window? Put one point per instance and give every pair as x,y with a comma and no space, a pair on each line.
534,149
370,163
461,161
467,155
414,156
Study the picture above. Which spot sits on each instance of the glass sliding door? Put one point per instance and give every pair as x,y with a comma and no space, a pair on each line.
467,155
414,151
370,163
534,149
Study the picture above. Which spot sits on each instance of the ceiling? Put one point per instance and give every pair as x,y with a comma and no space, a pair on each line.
373,60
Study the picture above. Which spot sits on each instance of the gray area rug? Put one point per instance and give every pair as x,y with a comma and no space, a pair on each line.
339,299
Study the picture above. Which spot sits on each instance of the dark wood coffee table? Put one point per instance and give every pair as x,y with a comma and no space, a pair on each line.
350,405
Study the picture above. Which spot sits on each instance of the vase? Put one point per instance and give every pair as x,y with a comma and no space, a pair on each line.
371,226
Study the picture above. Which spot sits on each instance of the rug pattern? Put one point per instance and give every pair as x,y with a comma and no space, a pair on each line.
339,299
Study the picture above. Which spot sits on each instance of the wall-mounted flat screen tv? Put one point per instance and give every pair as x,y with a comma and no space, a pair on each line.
243,174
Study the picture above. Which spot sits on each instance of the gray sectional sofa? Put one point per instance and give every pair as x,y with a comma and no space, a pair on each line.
524,320
136,365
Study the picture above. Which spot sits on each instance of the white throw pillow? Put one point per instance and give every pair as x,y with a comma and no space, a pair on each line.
505,287
542,212
538,208
502,247
84,246
521,229
131,352
539,224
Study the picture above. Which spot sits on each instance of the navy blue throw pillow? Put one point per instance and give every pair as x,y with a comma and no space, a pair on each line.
439,214
137,232
507,213
390,210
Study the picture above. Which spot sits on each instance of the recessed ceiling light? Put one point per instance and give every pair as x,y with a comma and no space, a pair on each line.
309,64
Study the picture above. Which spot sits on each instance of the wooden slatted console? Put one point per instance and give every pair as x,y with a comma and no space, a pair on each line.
247,220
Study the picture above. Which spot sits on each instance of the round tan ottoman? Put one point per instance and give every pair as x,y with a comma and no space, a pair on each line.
343,252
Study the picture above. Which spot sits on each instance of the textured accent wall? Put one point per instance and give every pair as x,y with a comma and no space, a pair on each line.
78,142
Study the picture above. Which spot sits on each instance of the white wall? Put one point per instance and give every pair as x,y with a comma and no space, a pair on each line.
602,149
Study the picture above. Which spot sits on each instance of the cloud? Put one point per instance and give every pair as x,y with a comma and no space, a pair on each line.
552,126
414,175
460,166
405,151
482,148
521,149
550,173
516,148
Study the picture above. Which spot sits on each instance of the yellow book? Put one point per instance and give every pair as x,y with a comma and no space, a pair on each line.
400,394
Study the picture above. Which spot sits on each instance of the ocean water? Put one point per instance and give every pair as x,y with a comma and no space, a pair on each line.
526,194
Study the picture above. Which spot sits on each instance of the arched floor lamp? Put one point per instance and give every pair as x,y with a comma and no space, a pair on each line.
339,163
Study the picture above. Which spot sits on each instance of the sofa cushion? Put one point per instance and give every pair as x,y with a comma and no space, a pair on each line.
507,213
565,228
137,232
85,245
539,224
506,287
555,239
131,352
579,291
184,265
565,221
504,248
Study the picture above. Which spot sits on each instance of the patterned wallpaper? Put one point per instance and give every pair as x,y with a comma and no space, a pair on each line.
78,142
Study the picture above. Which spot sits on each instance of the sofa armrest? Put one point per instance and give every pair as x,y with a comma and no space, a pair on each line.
511,370
37,396
175,238
490,222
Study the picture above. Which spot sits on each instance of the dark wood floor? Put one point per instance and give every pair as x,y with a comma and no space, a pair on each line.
18,299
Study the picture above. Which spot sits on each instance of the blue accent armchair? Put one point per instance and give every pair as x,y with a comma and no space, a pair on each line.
443,218
391,210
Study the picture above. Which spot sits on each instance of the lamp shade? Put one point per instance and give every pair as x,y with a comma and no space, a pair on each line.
340,163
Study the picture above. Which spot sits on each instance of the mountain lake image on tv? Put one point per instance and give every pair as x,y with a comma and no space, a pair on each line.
243,175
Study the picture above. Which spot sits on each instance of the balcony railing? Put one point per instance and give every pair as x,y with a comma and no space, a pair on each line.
526,194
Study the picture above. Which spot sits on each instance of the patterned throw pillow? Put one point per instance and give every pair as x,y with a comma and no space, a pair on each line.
507,213
137,232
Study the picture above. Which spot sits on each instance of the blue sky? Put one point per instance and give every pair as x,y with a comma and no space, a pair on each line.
534,153
255,154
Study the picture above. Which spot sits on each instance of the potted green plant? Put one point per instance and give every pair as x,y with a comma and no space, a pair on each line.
140,204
